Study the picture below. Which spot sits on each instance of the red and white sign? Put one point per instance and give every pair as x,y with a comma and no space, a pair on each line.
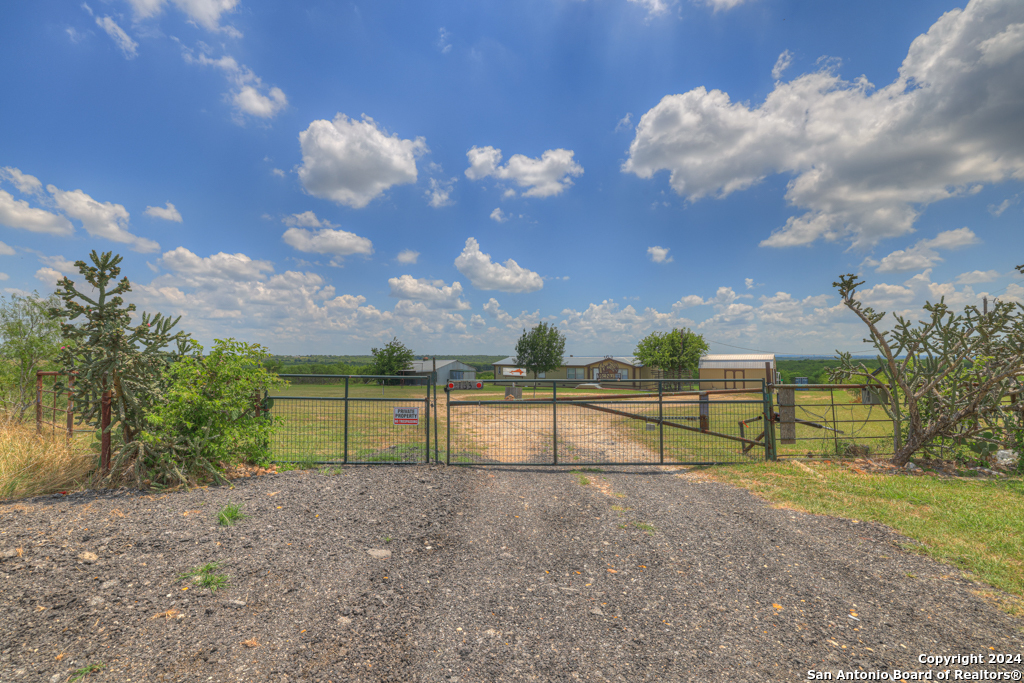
514,372
407,416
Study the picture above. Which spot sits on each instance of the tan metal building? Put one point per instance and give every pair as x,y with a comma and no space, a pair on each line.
733,368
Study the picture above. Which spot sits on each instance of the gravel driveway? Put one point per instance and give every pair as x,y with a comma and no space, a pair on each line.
492,575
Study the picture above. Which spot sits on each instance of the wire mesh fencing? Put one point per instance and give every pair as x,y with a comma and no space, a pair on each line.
569,424
339,419
846,420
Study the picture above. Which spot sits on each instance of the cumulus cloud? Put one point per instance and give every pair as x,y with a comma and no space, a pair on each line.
781,64
49,277
510,277
128,46
545,177
353,162
924,253
864,161
976,277
653,7
206,13
723,4
249,95
498,215
26,184
440,192
407,256
167,213
307,219
688,301
16,213
219,266
6,250
100,219
625,123
659,254
432,292
328,241
58,263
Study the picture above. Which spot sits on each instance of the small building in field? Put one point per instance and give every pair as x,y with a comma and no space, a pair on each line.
418,371
733,368
583,369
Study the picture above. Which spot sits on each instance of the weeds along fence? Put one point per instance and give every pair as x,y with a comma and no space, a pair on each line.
342,419
54,409
833,420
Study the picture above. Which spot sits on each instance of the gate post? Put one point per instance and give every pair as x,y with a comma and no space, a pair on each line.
39,403
661,425
448,425
426,409
344,456
770,449
554,420
71,406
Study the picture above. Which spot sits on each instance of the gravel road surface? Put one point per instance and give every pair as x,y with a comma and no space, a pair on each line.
471,574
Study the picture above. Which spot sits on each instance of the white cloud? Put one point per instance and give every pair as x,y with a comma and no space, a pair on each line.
659,254
625,123
26,184
864,161
749,282
58,263
407,256
498,215
49,277
781,64
6,250
440,192
220,266
100,219
998,209
307,219
249,96
653,7
74,35
352,162
688,301
923,254
432,292
510,277
16,213
278,172
545,177
327,241
976,277
723,4
128,46
443,38
167,213
609,326
206,13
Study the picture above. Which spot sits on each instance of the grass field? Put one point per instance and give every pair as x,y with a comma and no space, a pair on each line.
976,525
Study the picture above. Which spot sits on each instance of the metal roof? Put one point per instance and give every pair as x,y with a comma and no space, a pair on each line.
428,365
572,361
736,360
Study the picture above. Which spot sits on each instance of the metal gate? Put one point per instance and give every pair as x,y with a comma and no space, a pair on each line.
624,422
342,419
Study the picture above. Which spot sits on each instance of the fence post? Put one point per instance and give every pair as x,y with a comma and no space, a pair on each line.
105,432
426,409
554,419
344,456
39,403
661,426
437,453
448,425
71,406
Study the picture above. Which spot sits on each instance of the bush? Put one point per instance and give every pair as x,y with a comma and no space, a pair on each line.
215,404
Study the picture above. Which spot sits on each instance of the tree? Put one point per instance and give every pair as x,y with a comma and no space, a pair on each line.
107,352
676,353
948,376
540,350
29,342
391,359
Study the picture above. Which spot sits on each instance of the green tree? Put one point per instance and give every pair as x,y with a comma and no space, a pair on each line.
676,353
949,376
107,352
29,342
391,359
540,350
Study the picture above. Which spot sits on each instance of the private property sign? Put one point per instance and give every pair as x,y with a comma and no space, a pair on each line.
514,372
407,416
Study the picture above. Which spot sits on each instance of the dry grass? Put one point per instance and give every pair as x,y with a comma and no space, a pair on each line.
33,465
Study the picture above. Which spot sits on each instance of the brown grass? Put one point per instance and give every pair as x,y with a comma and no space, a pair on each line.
33,465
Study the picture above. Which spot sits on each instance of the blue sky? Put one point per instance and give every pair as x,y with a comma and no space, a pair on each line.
322,176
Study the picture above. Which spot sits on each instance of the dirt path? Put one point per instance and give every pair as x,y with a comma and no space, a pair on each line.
493,575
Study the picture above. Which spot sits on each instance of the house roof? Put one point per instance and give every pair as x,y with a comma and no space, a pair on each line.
575,361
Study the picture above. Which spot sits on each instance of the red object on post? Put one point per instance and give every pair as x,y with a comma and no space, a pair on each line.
105,432
451,385
479,385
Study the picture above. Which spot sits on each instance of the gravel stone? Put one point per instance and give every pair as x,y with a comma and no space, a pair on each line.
504,575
